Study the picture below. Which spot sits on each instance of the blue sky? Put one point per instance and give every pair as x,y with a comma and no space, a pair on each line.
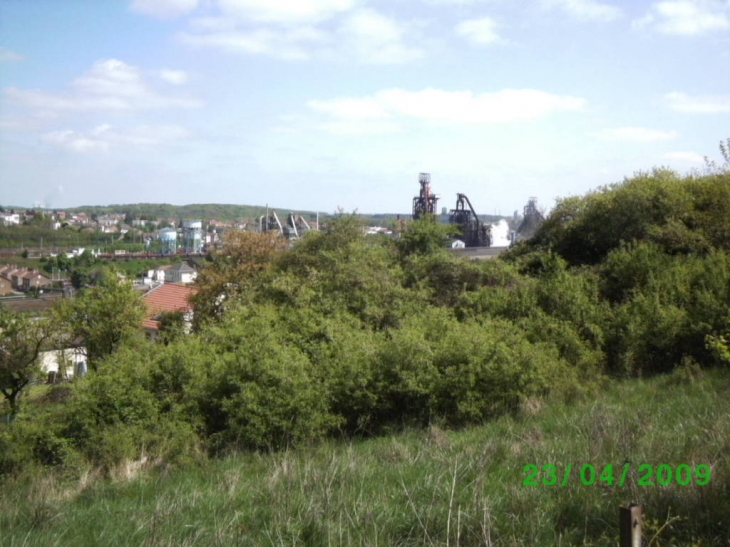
320,104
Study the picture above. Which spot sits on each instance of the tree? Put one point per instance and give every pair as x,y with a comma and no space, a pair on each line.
21,340
711,166
102,318
233,271
172,326
425,236
80,279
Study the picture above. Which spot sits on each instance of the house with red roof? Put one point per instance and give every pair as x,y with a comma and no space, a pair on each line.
169,297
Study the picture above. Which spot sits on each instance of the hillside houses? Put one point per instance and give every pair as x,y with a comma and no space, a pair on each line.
22,279
6,287
167,298
177,273
10,219
180,273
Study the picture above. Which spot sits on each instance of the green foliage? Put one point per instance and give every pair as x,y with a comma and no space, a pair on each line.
419,487
232,273
343,334
258,390
147,211
680,214
719,345
21,341
11,237
172,325
425,236
672,308
102,318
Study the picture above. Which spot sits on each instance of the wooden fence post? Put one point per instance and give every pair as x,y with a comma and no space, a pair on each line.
630,525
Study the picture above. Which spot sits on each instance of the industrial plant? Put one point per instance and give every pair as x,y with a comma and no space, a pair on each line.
294,226
192,238
532,218
474,232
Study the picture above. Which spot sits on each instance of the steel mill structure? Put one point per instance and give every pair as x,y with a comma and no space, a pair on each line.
531,220
294,227
474,232
425,202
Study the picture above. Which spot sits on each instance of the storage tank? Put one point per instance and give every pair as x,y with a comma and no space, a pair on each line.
193,236
168,237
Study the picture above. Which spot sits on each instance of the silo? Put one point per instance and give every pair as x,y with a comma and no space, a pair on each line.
168,237
193,236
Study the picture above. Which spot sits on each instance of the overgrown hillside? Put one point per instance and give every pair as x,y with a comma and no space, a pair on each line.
344,336
420,487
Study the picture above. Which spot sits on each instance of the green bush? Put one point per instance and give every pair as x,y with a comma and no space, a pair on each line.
259,390
119,413
675,307
682,215
30,443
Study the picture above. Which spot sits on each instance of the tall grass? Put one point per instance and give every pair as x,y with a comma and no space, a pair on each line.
434,487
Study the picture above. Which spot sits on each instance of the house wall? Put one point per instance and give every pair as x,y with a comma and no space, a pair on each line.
175,276
49,360
5,286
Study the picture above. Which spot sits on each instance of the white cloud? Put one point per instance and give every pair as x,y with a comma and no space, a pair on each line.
347,108
104,137
286,11
296,31
213,24
585,10
637,134
455,2
478,31
75,142
360,127
387,108
706,104
176,77
687,157
289,44
8,56
377,39
164,9
686,17
110,85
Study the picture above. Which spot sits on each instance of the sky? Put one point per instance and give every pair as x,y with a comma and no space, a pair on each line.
327,104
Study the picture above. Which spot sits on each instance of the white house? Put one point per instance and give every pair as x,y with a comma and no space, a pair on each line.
180,273
74,360
156,275
10,218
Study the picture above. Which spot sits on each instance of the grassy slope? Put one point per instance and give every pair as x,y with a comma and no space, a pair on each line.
418,488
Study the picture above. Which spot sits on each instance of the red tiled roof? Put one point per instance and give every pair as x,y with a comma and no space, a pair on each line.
168,298
150,324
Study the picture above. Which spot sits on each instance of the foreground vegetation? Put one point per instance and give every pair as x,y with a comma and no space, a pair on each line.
420,487
349,338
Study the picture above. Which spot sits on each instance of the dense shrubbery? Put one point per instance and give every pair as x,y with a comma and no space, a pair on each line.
681,214
344,334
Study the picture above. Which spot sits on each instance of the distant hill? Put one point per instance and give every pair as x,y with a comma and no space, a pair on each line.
202,211
226,212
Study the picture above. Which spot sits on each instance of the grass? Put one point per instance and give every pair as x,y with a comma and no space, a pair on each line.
433,487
